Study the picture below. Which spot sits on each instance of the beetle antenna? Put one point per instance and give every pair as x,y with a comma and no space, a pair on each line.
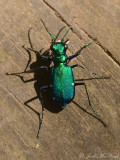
65,34
48,30
59,32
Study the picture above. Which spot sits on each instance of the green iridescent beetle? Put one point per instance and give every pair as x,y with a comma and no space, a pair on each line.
62,84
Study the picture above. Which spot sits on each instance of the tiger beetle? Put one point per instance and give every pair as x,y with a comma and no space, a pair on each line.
62,84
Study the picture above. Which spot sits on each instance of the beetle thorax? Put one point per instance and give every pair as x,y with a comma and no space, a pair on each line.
60,59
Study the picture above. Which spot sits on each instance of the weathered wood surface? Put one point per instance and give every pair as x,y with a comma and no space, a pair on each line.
71,133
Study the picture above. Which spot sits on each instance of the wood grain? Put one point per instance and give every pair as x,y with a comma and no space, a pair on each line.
71,133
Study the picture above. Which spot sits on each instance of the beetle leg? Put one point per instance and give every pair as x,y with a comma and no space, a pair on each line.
44,87
82,83
40,122
78,52
40,119
48,58
91,72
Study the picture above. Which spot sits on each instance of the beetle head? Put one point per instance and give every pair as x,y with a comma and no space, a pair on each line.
58,48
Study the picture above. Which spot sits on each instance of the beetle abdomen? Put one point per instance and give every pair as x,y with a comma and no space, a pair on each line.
62,84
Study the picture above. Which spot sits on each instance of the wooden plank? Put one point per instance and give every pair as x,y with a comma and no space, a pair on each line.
71,133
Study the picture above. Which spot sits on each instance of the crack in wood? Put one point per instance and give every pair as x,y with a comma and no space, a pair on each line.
99,44
15,98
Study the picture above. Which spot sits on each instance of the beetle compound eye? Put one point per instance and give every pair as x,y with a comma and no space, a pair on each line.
66,46
55,47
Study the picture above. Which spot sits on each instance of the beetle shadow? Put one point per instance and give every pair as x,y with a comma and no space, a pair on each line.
41,78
